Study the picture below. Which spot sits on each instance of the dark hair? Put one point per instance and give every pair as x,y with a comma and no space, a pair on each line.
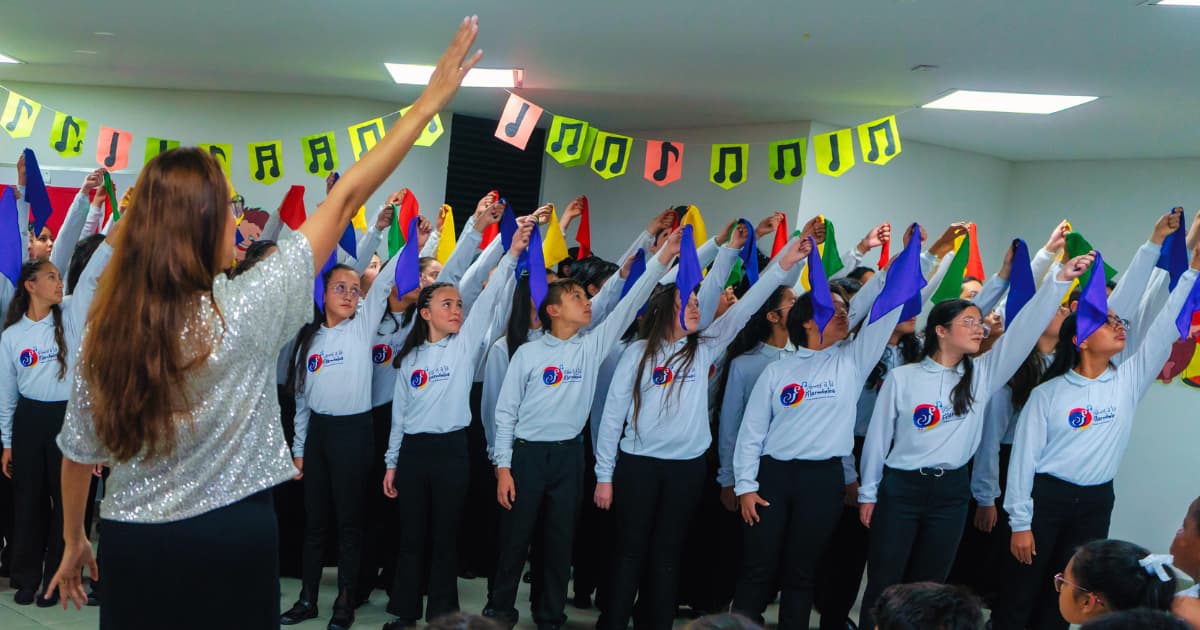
554,293
756,331
20,305
592,270
254,254
463,621
1027,377
802,313
941,315
304,339
1077,292
1110,570
1137,619
849,285
858,272
517,331
909,345
967,279
657,325
925,605
1066,355
722,621
80,258
422,264
419,333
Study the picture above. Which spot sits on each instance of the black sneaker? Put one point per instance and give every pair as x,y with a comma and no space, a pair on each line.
24,596
47,602
300,611
343,618
507,618
399,624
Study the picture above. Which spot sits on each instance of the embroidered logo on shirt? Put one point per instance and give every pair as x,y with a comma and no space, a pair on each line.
662,376
926,416
315,363
552,376
791,395
1079,418
381,353
419,379
28,357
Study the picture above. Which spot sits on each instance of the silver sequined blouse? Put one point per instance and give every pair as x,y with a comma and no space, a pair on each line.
233,447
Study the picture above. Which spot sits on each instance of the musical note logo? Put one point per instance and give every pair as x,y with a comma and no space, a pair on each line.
725,175
23,108
668,150
616,147
110,160
780,152
513,127
573,147
869,139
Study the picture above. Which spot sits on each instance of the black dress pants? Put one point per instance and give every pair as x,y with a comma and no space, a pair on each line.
37,492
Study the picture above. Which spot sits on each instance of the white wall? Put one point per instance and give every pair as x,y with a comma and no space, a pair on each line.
1115,204
220,117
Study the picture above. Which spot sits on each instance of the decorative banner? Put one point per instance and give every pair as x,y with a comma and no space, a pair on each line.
154,146
834,152
266,161
67,134
19,115
610,156
320,154
876,133
365,135
430,133
787,160
664,162
728,164
223,153
112,152
567,141
518,121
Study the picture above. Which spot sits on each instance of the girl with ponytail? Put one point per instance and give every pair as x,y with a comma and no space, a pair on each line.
927,424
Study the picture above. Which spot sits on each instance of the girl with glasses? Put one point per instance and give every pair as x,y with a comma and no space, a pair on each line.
1069,443
1107,576
927,424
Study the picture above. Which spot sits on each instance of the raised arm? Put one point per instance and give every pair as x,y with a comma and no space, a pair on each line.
330,218
72,227
1146,363
714,283
479,320
609,331
369,243
726,327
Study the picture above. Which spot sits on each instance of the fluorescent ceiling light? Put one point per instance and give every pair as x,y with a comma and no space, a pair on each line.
1011,102
477,77
1178,3
6,59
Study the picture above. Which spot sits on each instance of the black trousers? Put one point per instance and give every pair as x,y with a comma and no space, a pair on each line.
592,555
336,472
216,570
712,552
477,534
980,553
1065,517
6,523
380,544
785,545
653,501
842,565
431,479
548,478
289,499
915,529
37,492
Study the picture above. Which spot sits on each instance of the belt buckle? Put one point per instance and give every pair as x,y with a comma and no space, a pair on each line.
936,472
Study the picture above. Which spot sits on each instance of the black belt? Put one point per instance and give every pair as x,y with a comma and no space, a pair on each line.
936,472
578,439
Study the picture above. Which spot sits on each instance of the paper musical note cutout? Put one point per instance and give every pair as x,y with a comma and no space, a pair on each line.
320,154
430,133
364,135
664,162
518,121
222,153
67,134
154,146
879,140
834,152
112,149
610,156
787,160
19,114
567,140
263,154
728,164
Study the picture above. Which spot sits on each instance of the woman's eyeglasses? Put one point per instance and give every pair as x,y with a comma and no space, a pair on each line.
1119,323
342,289
971,322
1060,579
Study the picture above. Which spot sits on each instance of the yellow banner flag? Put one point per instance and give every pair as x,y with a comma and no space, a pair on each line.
20,112
365,135
449,238
879,140
834,152
430,133
67,134
554,246
692,217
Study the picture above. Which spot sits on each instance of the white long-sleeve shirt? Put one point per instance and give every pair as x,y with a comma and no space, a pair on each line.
802,407
339,361
429,395
672,422
548,388
914,424
743,374
1076,428
29,353
68,234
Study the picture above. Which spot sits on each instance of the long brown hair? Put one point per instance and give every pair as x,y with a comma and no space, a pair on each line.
20,306
662,310
134,361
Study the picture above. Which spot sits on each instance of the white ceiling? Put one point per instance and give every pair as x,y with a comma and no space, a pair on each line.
655,64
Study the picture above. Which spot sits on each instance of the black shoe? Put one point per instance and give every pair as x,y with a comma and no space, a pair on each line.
362,599
343,610
582,601
528,577
302,610
506,619
25,596
399,624
94,594
47,602
850,625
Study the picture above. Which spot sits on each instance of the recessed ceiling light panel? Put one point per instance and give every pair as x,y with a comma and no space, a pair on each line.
410,74
6,59
1008,102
